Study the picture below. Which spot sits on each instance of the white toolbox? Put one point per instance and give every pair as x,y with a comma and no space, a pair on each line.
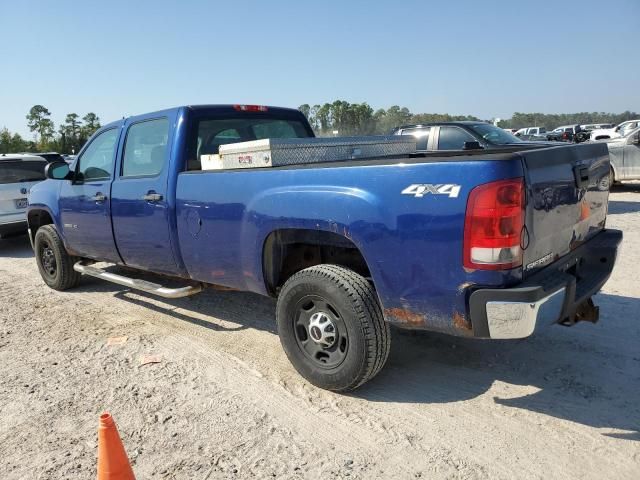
279,152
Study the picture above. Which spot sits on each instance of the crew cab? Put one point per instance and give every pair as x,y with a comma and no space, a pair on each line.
18,174
484,243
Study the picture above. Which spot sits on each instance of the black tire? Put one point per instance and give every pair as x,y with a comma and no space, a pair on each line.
349,303
54,263
612,178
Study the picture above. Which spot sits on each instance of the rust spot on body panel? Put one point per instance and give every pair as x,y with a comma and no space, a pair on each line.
407,317
461,323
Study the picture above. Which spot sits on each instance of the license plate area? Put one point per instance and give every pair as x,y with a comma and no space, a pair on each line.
21,203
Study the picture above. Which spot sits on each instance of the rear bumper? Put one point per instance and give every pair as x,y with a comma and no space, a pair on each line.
560,293
13,228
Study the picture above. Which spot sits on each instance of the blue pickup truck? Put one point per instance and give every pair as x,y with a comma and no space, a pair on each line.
488,243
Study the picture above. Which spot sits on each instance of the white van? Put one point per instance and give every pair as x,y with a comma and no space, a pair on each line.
18,173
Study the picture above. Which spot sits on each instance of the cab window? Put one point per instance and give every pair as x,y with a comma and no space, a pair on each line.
453,138
145,149
421,135
96,162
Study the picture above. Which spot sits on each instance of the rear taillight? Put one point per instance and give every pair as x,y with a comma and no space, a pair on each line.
493,225
251,108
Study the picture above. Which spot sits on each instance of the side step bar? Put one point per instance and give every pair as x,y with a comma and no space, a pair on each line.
143,285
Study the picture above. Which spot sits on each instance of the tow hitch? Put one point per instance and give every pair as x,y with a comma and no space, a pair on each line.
587,311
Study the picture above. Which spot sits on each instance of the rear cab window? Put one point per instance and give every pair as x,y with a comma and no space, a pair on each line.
208,132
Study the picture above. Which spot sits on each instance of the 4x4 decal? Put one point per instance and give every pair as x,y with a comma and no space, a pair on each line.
419,190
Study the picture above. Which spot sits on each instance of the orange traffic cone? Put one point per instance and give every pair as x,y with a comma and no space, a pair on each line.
113,463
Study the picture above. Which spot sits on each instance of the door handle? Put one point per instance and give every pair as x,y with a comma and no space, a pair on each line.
99,197
152,197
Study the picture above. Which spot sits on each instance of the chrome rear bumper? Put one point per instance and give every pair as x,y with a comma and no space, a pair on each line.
559,293
519,319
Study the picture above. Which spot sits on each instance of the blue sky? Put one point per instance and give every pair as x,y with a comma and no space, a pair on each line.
485,58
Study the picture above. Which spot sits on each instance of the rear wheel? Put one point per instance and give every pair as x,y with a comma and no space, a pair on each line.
331,327
54,263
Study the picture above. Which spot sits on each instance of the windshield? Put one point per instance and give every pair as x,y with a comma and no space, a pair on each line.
494,135
21,171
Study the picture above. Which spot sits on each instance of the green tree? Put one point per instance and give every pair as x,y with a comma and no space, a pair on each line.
39,122
70,134
12,143
91,124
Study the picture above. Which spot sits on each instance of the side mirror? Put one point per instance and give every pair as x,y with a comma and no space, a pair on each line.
58,171
635,138
472,146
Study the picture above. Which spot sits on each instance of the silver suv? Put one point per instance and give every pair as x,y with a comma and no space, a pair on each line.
18,173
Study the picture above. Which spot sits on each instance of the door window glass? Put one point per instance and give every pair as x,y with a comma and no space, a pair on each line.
453,138
421,135
96,163
145,149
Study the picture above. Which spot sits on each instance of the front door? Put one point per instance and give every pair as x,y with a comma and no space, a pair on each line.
140,209
85,203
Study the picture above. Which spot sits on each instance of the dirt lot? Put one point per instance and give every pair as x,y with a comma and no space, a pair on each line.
225,403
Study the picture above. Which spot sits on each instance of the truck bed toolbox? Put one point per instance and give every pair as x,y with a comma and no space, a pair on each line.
277,152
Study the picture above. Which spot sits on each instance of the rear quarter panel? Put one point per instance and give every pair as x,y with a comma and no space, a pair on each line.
412,245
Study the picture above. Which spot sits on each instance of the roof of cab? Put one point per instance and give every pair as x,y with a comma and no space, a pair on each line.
220,107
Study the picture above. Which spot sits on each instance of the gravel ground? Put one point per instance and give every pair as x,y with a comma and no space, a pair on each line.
223,402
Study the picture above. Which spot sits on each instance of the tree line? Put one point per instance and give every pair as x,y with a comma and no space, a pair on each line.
340,116
360,119
70,136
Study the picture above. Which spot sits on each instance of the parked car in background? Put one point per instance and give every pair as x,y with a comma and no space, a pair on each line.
620,130
18,173
48,156
463,135
566,133
596,126
624,155
530,132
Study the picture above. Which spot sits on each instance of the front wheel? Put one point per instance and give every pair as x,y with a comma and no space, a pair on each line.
54,263
331,327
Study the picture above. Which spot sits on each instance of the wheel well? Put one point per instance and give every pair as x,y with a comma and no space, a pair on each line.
36,219
288,251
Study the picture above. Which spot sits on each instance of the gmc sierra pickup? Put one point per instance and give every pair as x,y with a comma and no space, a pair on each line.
485,243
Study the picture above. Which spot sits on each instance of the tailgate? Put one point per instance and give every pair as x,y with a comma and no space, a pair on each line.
568,189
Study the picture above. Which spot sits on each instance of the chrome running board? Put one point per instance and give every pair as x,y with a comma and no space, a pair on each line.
136,284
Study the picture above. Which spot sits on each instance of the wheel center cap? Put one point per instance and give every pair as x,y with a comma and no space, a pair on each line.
316,333
322,330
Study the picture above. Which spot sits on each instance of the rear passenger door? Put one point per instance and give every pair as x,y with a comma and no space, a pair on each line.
141,212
